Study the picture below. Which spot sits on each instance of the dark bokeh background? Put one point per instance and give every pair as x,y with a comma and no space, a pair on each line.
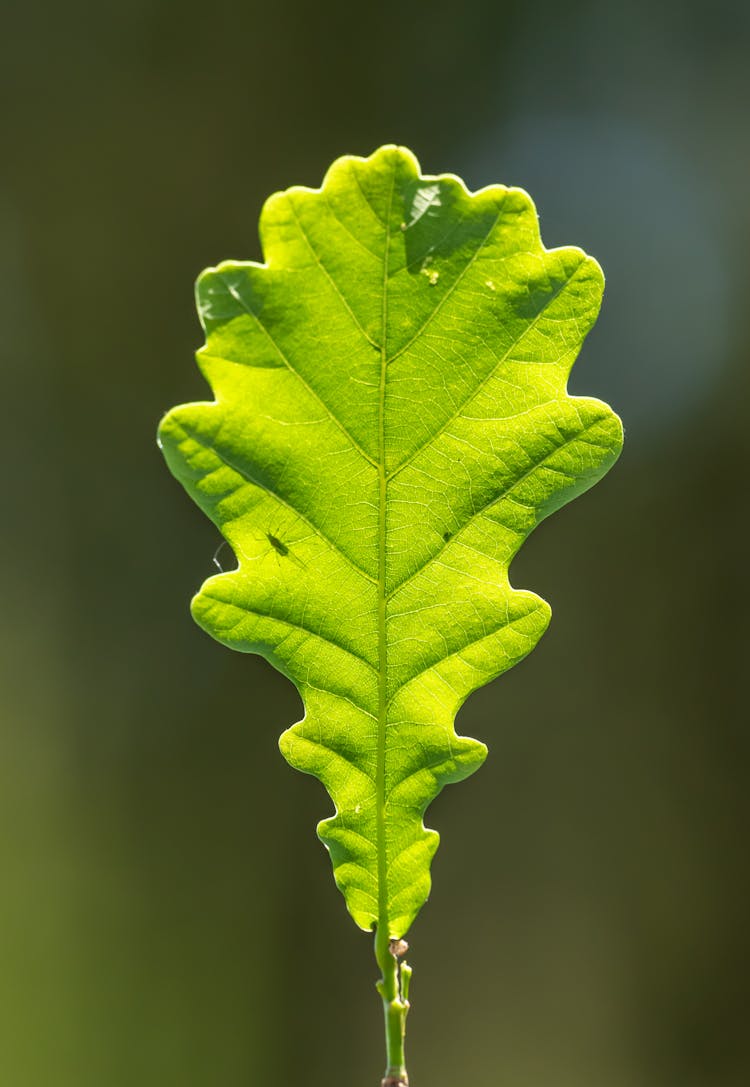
167,917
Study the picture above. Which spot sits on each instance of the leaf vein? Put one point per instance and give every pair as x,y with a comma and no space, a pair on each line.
251,312
329,277
499,360
495,500
460,649
245,475
242,606
450,290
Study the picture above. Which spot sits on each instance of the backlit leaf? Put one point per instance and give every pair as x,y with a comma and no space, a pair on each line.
390,422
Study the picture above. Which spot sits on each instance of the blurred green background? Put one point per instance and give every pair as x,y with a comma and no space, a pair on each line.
167,917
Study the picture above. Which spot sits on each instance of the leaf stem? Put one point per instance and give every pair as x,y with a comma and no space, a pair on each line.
393,988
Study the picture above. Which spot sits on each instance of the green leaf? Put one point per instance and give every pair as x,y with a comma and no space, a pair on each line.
391,421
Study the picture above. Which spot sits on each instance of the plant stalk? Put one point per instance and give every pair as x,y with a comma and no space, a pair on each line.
394,989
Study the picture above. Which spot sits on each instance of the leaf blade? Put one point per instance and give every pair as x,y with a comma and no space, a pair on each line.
374,540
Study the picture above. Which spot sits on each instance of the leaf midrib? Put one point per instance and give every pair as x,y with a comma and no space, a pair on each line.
380,822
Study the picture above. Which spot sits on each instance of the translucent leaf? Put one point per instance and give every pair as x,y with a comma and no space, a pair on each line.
390,422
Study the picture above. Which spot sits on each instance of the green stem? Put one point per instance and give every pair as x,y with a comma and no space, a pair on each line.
393,988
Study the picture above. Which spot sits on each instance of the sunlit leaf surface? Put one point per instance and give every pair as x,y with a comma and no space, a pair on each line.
390,422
